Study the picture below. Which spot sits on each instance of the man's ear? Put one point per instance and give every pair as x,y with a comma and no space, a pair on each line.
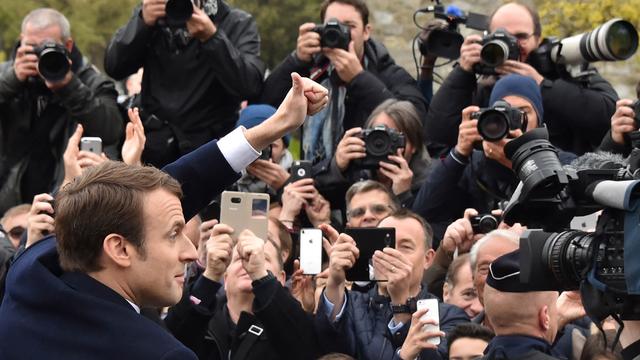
445,292
366,34
282,277
117,250
69,45
429,255
544,319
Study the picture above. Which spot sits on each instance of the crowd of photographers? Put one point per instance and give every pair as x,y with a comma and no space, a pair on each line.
104,256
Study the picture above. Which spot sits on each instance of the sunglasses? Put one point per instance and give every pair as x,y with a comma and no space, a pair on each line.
376,209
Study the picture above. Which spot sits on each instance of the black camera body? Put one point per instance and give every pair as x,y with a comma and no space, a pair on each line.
497,48
380,142
494,123
483,223
558,258
266,153
53,61
334,34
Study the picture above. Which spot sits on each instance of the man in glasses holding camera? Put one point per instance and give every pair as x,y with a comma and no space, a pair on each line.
46,89
577,109
201,59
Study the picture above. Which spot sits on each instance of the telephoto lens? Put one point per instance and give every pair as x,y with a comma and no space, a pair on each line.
617,39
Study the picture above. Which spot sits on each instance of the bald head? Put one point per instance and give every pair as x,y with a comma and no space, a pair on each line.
530,313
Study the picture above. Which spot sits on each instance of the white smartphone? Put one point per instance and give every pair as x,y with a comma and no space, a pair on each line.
433,313
311,251
91,144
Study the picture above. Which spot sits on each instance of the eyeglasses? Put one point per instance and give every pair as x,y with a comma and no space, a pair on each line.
376,209
522,36
16,232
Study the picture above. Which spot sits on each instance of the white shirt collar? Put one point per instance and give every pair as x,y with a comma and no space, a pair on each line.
135,307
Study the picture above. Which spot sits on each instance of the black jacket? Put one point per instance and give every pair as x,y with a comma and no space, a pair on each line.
518,347
381,80
577,114
197,87
288,332
35,125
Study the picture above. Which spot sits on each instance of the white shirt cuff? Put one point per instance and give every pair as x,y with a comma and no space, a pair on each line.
393,327
237,150
330,306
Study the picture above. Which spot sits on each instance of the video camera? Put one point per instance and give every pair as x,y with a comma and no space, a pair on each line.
494,123
602,264
380,142
334,34
446,42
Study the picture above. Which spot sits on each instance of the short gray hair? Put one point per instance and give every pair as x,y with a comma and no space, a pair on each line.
46,17
370,185
500,233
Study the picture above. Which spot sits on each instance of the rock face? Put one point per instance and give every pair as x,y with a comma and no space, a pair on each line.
393,25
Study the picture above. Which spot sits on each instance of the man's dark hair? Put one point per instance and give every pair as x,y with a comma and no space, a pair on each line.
537,26
404,213
360,5
106,199
452,272
469,330
336,356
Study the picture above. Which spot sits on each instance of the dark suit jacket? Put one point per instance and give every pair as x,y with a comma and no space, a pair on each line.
49,314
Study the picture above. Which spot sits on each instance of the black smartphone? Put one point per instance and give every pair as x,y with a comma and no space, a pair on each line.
368,240
301,169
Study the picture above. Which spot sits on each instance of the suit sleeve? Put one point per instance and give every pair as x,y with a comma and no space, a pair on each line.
128,47
203,174
235,58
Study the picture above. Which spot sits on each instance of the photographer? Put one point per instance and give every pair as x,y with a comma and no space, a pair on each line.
196,72
469,178
46,89
623,122
402,172
360,75
576,110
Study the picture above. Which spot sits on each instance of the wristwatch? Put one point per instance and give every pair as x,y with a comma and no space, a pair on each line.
407,308
262,280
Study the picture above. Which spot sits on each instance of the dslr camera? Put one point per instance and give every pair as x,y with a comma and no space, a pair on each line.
483,223
380,142
496,49
602,264
53,61
494,123
334,34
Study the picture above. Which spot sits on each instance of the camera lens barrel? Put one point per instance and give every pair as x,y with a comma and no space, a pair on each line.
179,11
493,125
617,39
569,255
494,53
53,62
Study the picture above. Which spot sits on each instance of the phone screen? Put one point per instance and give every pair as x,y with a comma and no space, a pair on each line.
368,240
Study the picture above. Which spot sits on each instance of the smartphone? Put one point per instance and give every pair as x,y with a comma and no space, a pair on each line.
243,210
311,251
433,313
91,144
368,240
301,169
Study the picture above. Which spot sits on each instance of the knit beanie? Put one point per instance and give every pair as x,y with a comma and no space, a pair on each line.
522,86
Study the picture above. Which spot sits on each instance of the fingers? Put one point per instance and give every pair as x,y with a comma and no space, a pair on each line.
297,85
306,27
74,140
466,114
41,203
330,233
221,229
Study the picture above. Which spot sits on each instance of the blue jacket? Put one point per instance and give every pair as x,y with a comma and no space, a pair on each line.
49,314
364,332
